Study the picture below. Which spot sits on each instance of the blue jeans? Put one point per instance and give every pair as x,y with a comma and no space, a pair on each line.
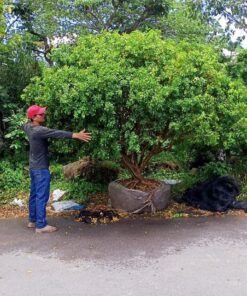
39,196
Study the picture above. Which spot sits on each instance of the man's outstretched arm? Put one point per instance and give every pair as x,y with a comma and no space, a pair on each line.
82,135
45,132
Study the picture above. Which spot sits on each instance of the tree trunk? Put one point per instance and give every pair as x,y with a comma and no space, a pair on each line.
132,168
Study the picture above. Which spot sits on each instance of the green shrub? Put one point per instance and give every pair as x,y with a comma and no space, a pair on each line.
77,189
13,181
12,177
213,169
140,95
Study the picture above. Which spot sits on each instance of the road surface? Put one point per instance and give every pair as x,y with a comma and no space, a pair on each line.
154,257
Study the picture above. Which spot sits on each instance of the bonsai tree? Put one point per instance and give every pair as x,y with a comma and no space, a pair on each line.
138,94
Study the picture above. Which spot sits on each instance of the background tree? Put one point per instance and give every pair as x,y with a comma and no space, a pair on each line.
17,66
1,87
184,22
49,21
139,95
234,13
237,67
2,24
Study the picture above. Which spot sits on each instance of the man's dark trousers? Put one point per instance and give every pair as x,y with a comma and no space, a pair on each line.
39,196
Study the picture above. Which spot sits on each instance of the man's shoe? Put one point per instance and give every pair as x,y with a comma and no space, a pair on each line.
46,229
31,225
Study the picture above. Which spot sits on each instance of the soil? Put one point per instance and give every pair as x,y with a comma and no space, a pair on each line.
146,185
100,202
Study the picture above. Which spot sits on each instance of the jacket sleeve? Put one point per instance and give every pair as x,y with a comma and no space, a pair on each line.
44,132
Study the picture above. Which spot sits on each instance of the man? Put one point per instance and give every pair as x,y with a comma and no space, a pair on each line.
39,165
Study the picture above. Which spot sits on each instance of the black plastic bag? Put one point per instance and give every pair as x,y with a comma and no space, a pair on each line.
216,195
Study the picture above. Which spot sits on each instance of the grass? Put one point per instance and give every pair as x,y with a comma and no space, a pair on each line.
15,181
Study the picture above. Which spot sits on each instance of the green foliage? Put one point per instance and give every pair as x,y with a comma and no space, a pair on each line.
213,169
233,11
15,135
13,180
210,170
48,18
78,189
239,167
2,23
243,195
17,66
234,134
238,65
183,22
44,23
141,94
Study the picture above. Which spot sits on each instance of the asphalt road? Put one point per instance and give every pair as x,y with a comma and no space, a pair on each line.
197,256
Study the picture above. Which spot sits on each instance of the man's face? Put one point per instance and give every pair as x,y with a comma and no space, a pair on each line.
40,118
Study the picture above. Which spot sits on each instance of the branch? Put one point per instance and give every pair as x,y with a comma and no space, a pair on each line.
144,15
108,23
233,18
155,150
134,170
100,23
10,25
48,47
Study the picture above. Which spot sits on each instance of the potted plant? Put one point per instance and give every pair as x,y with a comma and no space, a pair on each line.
139,95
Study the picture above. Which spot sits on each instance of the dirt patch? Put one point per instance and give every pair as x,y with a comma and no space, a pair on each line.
100,202
177,210
8,211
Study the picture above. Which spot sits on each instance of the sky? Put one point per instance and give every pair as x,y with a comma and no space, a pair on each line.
241,33
238,32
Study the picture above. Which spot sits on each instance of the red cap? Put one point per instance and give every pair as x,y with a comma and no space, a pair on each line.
35,110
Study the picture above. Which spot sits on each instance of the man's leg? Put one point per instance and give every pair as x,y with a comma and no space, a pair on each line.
42,182
32,201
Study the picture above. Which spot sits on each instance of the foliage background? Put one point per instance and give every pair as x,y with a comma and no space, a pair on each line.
30,32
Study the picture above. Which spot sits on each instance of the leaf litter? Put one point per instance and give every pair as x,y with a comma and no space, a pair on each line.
99,211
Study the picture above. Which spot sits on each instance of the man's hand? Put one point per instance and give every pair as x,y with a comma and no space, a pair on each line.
82,135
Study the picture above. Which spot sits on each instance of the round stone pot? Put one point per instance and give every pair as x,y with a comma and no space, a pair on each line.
136,201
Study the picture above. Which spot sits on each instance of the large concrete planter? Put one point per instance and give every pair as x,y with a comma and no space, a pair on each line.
137,201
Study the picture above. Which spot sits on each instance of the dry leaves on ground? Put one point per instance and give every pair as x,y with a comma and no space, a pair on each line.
100,202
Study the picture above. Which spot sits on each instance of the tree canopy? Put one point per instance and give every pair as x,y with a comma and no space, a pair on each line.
234,12
46,21
140,94
1,21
